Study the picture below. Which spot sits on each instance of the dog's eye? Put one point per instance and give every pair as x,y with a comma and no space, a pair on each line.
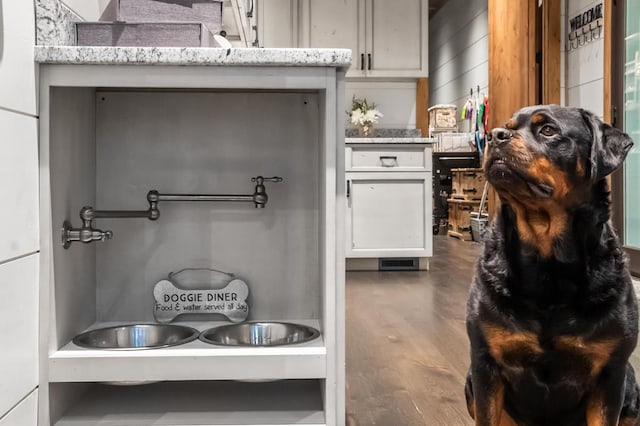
547,130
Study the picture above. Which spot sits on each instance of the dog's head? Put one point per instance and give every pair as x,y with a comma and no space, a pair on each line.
546,160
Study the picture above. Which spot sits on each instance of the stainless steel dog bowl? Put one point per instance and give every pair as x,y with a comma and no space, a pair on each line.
136,336
258,333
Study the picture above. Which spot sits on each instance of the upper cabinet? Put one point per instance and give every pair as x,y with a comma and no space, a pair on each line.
388,39
396,42
337,23
277,23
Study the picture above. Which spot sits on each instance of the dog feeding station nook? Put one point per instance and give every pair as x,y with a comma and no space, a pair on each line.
191,203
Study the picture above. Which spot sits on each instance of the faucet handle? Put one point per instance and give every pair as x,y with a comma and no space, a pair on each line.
106,235
83,235
261,179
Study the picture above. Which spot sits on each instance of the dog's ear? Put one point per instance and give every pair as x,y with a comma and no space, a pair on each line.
609,146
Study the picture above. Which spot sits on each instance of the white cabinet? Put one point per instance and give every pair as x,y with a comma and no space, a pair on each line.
18,184
19,330
277,23
388,39
23,414
215,129
336,23
17,71
389,201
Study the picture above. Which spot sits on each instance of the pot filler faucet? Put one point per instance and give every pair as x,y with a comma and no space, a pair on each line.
87,233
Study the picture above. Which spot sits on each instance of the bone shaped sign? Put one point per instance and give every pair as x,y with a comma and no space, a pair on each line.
171,301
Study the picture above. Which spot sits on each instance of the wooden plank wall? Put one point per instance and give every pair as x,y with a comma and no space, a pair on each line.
551,51
512,78
422,106
609,34
512,65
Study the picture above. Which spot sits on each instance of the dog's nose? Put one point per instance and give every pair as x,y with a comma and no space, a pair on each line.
501,136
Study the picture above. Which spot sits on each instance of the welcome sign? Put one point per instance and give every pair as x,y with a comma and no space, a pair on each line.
585,27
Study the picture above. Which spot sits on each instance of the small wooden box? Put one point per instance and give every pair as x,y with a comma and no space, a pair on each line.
460,218
443,117
160,34
208,12
467,184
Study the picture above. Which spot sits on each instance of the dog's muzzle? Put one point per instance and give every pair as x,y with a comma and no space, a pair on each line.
500,136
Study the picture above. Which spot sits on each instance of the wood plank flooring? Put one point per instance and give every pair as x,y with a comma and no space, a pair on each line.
407,349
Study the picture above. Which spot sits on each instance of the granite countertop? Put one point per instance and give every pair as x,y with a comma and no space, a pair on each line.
392,140
56,44
338,58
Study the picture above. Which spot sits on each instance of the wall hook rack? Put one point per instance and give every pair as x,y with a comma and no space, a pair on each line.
87,233
584,35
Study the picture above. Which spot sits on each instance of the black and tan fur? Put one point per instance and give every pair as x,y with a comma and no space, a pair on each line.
552,316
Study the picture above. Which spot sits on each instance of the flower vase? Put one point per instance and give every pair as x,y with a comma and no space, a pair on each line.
366,130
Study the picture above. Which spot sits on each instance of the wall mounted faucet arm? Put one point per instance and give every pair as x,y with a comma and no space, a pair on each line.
87,233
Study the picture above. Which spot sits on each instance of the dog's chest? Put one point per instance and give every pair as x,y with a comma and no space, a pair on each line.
550,359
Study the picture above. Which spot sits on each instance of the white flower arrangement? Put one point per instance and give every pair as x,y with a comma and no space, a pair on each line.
363,113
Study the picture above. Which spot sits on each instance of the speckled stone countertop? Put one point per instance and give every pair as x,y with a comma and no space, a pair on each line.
338,58
388,140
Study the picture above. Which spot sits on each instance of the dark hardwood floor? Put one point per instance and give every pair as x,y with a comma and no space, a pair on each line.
407,349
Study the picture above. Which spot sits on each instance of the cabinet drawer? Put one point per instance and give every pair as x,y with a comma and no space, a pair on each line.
23,414
404,158
19,330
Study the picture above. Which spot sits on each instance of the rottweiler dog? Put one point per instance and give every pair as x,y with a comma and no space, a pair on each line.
552,316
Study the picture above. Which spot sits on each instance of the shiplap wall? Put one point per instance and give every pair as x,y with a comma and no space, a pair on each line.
584,71
458,52
19,243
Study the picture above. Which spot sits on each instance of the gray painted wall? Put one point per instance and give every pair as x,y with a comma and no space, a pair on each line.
458,52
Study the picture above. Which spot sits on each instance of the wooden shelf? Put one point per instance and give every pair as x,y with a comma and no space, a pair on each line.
192,361
290,402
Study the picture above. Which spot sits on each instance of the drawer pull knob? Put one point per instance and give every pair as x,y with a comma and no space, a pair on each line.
470,191
388,160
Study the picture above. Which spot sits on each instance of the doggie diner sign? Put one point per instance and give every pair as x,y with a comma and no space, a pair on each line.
171,301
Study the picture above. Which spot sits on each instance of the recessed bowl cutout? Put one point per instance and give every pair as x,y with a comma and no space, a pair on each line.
136,336
259,333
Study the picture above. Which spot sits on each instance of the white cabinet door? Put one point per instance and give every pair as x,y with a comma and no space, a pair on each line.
17,69
18,184
397,38
387,39
19,330
389,214
277,23
336,24
23,414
